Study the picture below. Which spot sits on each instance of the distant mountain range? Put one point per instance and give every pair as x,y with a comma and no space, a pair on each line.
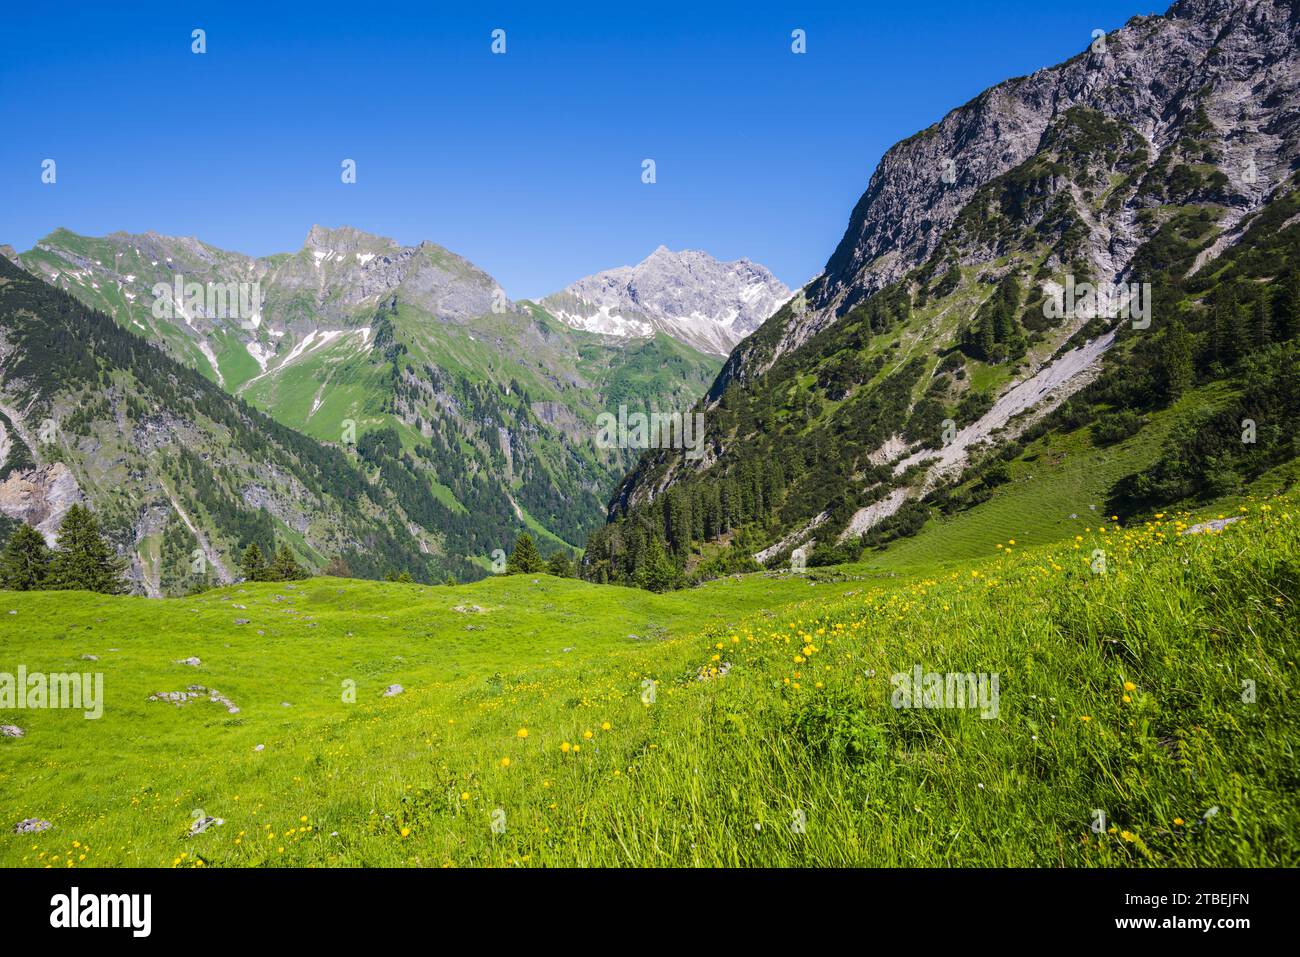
476,411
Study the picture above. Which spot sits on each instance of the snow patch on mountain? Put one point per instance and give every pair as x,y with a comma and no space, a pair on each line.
212,360
607,323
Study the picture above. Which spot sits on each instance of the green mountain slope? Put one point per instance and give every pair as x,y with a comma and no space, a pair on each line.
182,475
903,386
494,403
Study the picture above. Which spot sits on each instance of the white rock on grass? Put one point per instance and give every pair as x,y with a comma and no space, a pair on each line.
1214,525
193,693
203,823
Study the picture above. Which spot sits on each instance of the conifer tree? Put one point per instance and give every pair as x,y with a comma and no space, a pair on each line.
559,566
1288,311
1176,360
25,561
252,564
285,568
83,559
657,573
1262,317
1238,334
985,339
524,559
1016,341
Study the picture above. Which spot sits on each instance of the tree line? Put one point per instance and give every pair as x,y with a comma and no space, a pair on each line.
83,559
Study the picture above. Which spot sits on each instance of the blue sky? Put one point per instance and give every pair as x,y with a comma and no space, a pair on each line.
528,164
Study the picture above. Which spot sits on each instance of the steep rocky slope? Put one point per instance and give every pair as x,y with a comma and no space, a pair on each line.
945,324
1230,63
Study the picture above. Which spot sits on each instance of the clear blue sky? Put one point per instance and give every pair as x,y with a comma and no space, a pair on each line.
529,164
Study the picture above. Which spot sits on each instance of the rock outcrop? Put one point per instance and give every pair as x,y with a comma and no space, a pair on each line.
41,497
1233,62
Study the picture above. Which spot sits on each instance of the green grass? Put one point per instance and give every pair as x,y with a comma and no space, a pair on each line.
716,769
542,534
339,376
236,364
1056,477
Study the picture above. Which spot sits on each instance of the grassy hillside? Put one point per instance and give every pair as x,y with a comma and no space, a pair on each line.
157,449
770,739
1056,488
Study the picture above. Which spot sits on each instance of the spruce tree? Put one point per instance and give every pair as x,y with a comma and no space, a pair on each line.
285,568
1001,319
25,561
524,559
657,573
558,565
1239,329
1288,312
985,339
1176,360
252,564
83,559
1262,317
676,526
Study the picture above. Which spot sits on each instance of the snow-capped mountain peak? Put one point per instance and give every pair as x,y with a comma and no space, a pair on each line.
688,295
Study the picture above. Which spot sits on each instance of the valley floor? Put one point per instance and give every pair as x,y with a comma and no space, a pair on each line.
1144,716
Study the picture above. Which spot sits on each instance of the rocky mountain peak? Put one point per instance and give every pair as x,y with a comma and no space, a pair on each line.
1231,63
345,239
687,294
1158,148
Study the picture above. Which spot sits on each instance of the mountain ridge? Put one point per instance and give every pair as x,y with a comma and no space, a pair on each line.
937,305
908,204
181,474
488,407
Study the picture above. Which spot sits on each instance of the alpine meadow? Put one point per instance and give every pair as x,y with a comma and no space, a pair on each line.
979,549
